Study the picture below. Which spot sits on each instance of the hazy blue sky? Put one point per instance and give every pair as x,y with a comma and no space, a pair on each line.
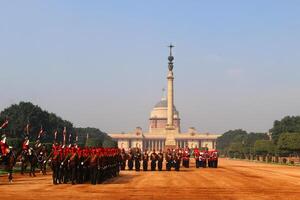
104,63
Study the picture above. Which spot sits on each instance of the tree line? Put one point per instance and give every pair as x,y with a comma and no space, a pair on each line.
283,139
25,113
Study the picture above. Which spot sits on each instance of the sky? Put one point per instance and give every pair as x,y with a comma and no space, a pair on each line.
104,63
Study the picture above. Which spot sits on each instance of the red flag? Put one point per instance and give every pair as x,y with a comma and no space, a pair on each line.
4,125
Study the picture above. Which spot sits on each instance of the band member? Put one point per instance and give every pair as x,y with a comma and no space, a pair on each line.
145,160
197,155
123,159
153,158
186,157
160,159
130,159
169,160
137,159
177,159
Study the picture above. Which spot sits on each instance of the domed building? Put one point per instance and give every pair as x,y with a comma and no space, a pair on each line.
158,117
164,126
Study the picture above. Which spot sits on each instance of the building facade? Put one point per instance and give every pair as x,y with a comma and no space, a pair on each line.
164,126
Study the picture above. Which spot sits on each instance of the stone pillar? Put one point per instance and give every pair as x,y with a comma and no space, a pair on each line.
170,122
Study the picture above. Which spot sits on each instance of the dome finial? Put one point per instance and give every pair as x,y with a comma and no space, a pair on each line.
171,58
171,46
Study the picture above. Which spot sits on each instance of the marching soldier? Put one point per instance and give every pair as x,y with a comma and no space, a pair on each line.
197,155
145,160
153,158
160,159
169,160
177,159
137,159
4,149
123,159
186,158
130,159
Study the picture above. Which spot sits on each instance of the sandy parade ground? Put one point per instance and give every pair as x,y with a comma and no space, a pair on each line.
232,180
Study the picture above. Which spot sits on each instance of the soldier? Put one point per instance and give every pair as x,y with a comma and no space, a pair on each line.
130,159
197,155
93,167
169,160
177,159
3,146
25,145
153,158
137,159
123,159
145,160
4,149
186,158
160,159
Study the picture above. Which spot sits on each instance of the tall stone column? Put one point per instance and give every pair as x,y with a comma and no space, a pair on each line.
170,123
170,128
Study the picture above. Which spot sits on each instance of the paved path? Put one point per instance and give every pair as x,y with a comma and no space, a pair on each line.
232,180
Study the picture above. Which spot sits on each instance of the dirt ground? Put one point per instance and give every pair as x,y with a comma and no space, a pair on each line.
232,180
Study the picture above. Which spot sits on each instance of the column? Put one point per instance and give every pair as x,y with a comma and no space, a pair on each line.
170,99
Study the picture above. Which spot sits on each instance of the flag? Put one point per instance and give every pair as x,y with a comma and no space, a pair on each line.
27,129
64,135
55,135
70,135
4,125
40,133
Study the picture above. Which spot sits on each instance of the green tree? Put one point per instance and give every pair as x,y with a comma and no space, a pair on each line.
289,124
264,147
289,142
25,112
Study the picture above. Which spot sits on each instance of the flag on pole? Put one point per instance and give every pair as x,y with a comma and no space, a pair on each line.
64,136
76,138
70,135
55,135
27,128
40,133
4,125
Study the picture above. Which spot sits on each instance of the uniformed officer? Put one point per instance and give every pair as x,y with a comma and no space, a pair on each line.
130,159
153,158
137,159
160,159
145,160
169,160
123,159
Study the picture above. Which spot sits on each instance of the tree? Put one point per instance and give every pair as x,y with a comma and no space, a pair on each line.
264,147
25,112
289,142
289,124
224,141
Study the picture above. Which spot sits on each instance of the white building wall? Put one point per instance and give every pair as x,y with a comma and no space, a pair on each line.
207,143
137,143
123,143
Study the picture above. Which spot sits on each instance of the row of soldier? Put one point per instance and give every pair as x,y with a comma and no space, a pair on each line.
80,165
174,158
